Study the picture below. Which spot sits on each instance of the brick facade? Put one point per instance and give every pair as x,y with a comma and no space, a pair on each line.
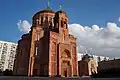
48,49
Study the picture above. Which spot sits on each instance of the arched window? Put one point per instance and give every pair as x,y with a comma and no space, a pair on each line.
37,37
36,51
66,54
37,21
65,25
62,23
41,20
50,23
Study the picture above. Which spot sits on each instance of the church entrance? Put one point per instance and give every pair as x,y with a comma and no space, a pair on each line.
34,72
66,69
65,72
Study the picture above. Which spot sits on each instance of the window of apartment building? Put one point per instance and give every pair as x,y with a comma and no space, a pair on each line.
0,65
0,45
5,43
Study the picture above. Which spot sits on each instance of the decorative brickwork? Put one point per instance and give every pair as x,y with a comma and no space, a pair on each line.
48,49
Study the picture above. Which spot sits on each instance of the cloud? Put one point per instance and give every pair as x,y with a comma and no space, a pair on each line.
97,40
119,19
24,26
104,41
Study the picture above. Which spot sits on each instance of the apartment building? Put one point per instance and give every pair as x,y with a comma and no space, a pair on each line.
7,54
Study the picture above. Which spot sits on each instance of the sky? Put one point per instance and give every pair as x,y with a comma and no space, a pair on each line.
95,23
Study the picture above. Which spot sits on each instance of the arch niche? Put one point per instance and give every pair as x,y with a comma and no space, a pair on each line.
66,69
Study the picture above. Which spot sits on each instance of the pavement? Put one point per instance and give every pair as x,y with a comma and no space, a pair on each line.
54,78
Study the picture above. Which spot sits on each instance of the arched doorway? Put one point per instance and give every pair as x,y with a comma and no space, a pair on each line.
66,69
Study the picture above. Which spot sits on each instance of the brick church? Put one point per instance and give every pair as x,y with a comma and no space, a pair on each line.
48,49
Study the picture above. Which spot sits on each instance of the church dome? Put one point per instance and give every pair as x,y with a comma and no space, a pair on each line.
47,10
40,17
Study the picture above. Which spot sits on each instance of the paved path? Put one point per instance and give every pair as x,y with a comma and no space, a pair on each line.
47,78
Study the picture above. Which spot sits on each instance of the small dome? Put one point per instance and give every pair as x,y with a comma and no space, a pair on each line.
87,57
61,12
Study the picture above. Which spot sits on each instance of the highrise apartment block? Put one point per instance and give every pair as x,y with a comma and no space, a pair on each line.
7,55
